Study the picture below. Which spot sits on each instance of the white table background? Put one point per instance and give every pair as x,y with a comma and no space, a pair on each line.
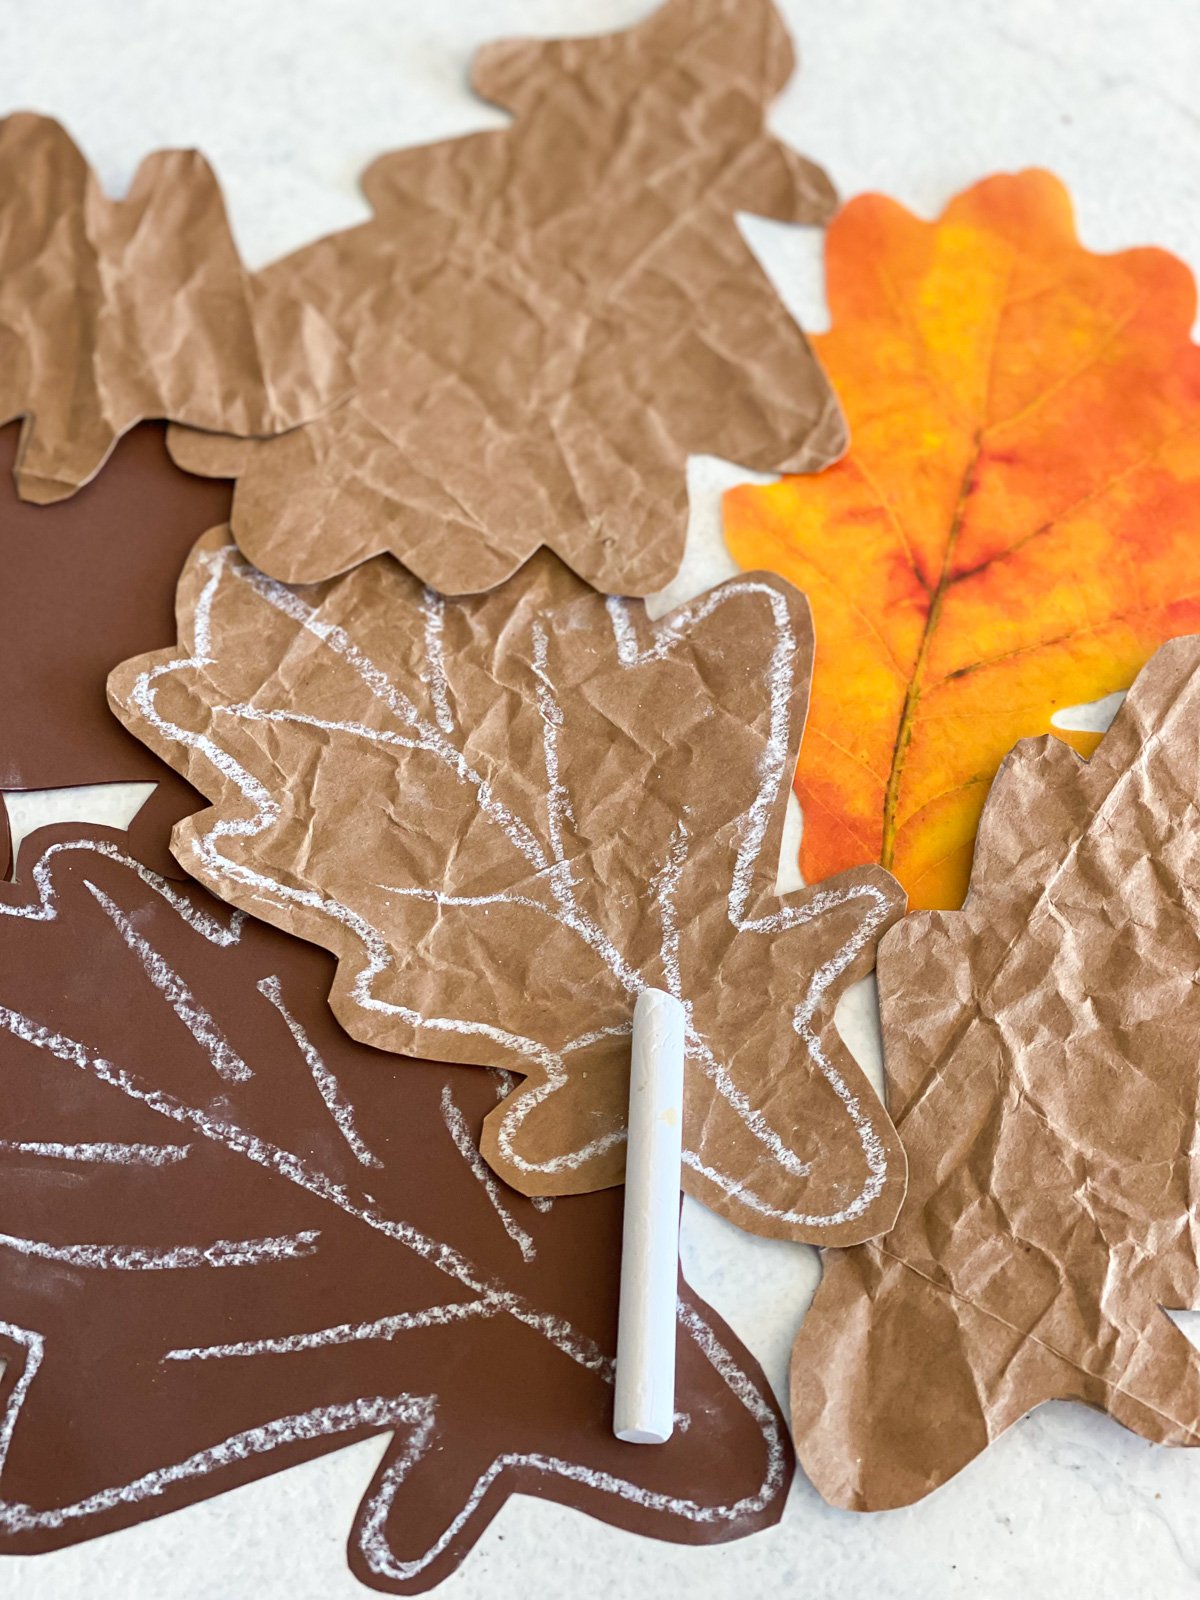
913,97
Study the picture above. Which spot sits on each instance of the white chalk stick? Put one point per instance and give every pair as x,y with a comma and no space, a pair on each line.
644,1405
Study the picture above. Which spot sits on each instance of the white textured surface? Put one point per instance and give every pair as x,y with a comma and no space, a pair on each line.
917,100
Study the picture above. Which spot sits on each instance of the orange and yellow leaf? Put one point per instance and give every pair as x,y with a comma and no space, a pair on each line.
1015,529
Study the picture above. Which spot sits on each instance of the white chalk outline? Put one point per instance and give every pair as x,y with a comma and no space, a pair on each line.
433,609
378,1505
328,1087
168,1258
283,1163
102,1151
196,1017
377,1413
381,1328
380,1413
552,868
456,1125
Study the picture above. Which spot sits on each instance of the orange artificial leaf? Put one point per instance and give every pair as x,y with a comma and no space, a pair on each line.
1015,529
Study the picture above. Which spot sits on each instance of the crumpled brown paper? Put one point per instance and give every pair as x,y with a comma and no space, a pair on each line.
506,815
545,320
1043,1061
116,311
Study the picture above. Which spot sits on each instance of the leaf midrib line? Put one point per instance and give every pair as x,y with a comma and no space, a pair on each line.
912,695
905,729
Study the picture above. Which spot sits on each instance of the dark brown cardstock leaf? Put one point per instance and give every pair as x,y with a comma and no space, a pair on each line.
545,321
234,1239
89,581
115,311
509,813
1042,1052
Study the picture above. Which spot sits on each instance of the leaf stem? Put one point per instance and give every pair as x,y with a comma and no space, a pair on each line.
912,695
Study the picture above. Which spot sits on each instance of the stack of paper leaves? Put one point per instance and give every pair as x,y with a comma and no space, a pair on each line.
262,1198
504,816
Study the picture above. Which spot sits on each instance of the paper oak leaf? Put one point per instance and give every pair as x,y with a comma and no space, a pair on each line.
89,581
234,1239
509,813
114,311
1014,528
546,319
1042,1050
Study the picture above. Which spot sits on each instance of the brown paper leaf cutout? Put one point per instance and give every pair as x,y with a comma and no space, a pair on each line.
233,1239
90,581
115,311
545,321
509,813
1042,1052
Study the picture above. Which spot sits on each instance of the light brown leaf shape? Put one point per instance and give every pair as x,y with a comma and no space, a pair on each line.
1043,1058
508,814
117,311
545,321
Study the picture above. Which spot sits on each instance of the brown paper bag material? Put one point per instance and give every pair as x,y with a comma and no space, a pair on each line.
1042,1051
509,813
233,1239
546,320
91,580
112,311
